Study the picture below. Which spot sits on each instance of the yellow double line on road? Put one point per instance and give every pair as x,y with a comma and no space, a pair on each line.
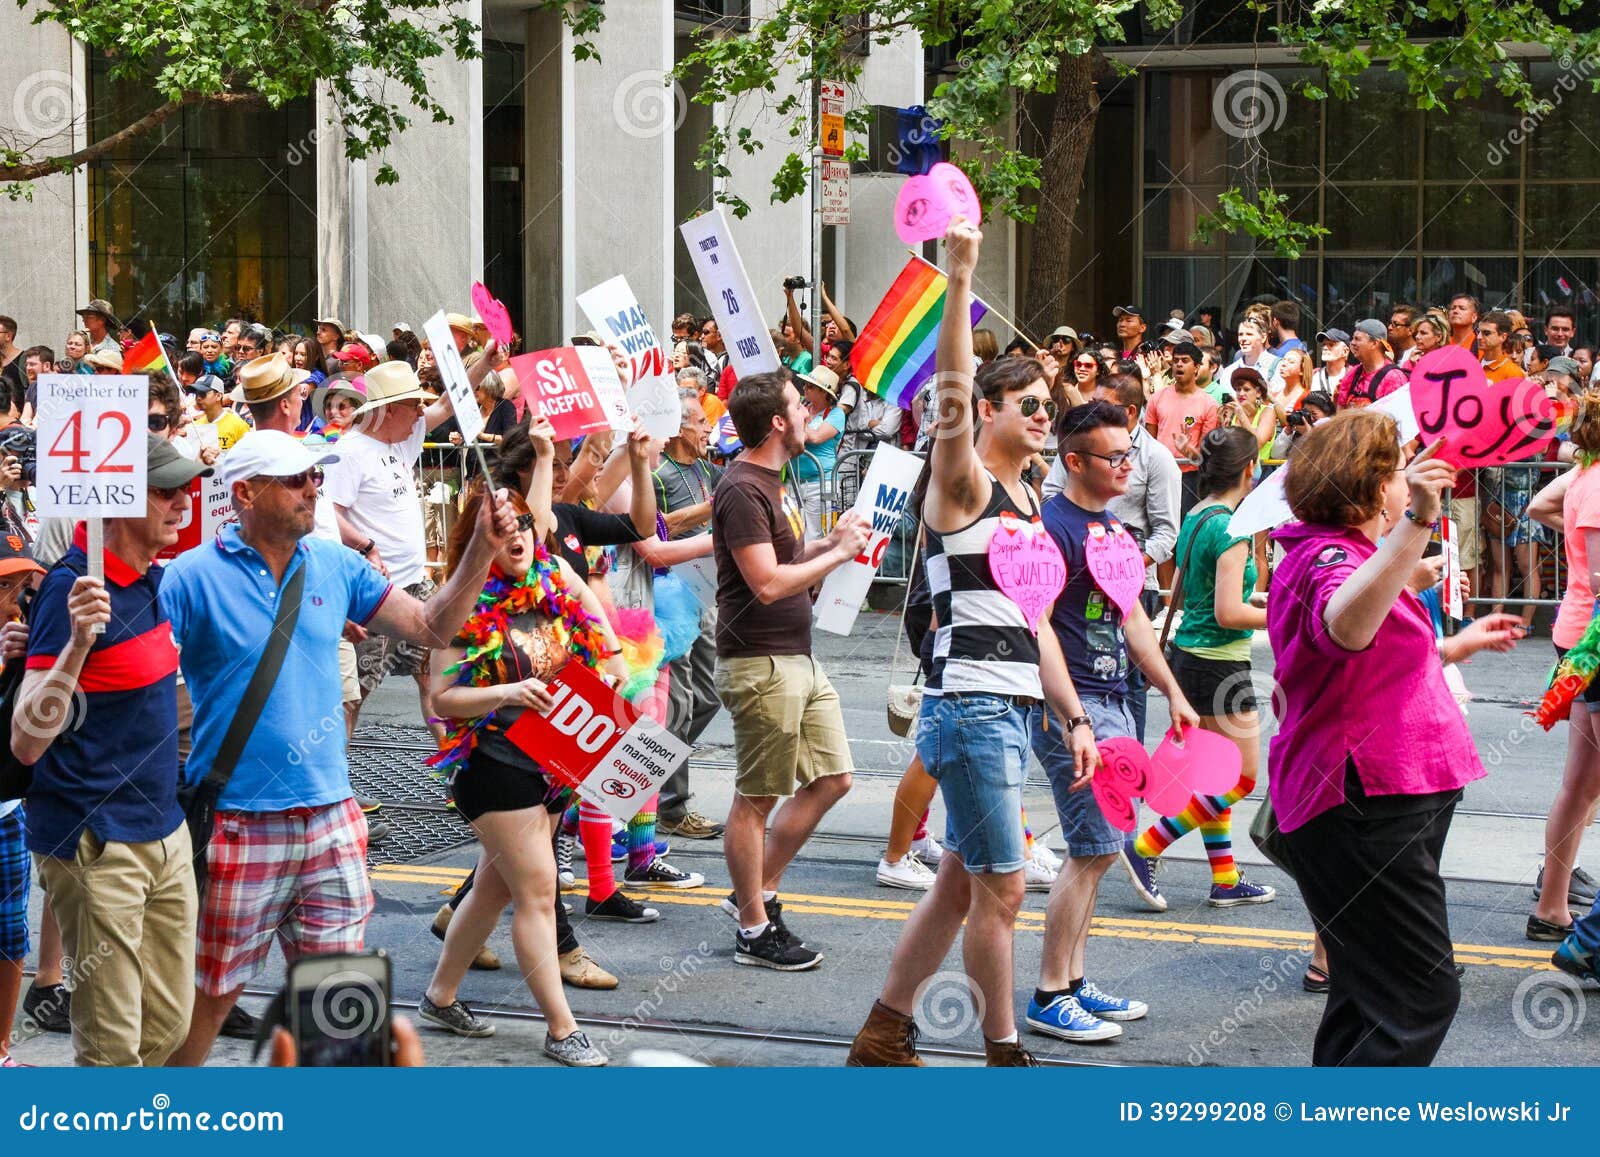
1168,931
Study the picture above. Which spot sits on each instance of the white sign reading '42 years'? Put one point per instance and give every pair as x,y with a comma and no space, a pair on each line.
733,302
91,439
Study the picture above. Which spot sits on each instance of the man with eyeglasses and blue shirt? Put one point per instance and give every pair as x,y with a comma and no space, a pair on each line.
287,858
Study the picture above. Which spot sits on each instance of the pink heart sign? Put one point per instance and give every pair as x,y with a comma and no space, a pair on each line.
495,317
1117,564
1482,423
1027,566
927,202
1204,763
1120,780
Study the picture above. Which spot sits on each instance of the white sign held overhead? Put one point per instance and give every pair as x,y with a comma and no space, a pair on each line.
453,372
614,310
91,439
727,287
881,501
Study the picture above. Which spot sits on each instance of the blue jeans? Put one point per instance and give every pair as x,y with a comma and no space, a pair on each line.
1587,933
1138,686
1083,825
976,748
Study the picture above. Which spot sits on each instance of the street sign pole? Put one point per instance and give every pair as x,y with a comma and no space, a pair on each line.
816,222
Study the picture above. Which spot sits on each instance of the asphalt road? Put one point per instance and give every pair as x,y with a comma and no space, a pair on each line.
1223,985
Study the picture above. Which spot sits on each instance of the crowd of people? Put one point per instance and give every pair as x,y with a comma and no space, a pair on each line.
189,844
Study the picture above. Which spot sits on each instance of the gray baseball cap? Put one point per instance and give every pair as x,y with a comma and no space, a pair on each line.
1328,335
1373,328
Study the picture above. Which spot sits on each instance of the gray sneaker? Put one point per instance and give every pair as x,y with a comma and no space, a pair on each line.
1580,890
454,1017
574,1051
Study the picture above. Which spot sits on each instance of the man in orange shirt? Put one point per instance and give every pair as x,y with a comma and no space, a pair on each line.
1464,321
1493,329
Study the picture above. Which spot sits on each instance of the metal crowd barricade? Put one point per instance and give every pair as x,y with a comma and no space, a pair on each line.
1510,544
441,474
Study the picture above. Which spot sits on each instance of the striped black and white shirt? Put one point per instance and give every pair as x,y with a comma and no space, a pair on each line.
982,642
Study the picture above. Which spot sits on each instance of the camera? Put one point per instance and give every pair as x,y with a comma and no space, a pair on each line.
1297,418
798,281
21,443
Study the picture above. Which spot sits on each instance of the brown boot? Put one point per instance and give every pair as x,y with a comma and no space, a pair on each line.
1008,1055
579,969
485,961
887,1040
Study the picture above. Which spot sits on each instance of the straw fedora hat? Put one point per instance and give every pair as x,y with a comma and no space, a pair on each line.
105,360
264,378
470,326
392,382
824,379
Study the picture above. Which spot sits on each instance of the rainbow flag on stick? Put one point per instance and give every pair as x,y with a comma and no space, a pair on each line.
896,350
146,356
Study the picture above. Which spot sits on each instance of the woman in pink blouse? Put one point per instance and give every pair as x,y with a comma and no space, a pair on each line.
1372,751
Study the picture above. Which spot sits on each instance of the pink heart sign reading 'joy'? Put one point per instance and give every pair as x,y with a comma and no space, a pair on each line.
495,316
1120,780
927,202
1482,423
1027,566
1117,564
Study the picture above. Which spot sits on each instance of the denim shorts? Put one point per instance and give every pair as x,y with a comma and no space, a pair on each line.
1083,825
976,747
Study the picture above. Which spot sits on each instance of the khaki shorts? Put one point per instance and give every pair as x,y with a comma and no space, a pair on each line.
787,727
349,673
1464,513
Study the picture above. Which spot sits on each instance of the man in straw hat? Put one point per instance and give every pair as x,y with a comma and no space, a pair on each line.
102,325
379,512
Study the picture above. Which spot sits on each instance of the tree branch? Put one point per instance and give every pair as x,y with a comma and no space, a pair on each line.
33,170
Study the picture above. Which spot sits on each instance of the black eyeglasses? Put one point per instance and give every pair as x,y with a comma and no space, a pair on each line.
1030,406
296,481
159,422
1115,461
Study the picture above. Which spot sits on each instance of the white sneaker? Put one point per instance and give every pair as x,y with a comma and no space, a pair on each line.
1045,856
564,850
929,850
908,872
1038,875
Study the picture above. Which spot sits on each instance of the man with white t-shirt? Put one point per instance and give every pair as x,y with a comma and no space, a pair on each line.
379,512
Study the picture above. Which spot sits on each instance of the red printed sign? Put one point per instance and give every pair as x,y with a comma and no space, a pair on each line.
577,388
210,505
595,741
1483,424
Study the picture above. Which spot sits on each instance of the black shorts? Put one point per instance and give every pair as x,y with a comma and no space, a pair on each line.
1591,694
488,785
1214,687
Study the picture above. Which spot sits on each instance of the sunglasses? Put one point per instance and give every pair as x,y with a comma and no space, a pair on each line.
159,422
298,481
1031,404
169,493
1085,363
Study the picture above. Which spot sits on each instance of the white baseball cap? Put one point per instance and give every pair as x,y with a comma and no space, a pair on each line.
272,454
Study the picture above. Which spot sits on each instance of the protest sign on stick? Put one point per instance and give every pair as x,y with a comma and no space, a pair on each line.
457,384
881,501
652,394
576,388
733,301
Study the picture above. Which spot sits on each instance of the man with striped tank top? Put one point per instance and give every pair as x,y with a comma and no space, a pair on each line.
988,558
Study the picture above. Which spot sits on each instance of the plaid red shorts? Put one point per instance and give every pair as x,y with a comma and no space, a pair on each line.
298,875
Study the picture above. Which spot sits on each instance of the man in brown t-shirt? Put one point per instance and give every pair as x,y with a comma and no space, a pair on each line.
788,732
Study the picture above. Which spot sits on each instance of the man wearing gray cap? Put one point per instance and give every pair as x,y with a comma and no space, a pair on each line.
287,854
1376,376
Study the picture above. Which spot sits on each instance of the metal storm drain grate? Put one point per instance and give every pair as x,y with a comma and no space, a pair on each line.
386,765
417,833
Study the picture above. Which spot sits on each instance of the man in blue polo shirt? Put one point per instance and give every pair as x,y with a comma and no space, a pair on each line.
288,853
97,717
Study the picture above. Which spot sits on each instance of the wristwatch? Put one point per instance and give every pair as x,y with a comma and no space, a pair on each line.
367,550
1078,721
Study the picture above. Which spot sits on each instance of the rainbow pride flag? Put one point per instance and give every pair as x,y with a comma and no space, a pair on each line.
896,350
146,356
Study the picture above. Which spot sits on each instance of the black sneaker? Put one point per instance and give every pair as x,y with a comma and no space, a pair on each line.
621,908
49,1006
661,874
1580,889
1546,931
239,1024
774,907
774,949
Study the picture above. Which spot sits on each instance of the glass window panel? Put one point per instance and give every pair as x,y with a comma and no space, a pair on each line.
1181,143
1568,282
1282,137
1181,283
1472,139
1492,280
1272,279
1380,217
1170,215
1361,287
1375,136
1475,216
1562,143
1562,217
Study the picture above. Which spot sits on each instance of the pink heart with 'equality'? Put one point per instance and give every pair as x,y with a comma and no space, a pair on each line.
927,202
1027,566
1204,762
495,316
1120,780
1117,564
1483,423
